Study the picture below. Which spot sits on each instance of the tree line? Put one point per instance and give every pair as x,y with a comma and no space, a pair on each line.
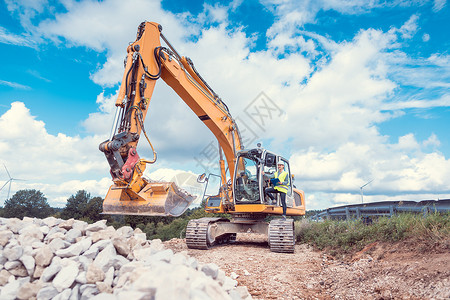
82,206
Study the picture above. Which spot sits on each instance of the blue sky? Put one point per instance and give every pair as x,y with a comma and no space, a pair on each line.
363,91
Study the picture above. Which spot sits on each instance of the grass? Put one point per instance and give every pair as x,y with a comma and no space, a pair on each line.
354,235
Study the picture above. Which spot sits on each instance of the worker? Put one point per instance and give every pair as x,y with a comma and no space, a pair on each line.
281,186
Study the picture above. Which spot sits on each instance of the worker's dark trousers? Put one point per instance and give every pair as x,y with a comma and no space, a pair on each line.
271,190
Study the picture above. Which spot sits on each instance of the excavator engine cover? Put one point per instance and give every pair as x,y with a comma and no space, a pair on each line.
155,199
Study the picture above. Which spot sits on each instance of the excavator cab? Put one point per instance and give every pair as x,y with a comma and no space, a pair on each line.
254,168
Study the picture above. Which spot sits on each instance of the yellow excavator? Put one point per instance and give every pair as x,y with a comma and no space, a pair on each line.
244,173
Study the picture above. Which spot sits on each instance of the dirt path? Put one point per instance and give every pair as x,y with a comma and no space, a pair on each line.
377,272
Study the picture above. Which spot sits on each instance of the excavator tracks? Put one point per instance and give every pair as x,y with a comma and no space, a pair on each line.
281,236
199,235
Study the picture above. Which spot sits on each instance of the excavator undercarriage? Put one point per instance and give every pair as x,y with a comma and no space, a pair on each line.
205,233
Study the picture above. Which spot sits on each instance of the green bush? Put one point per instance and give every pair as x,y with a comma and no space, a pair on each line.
351,235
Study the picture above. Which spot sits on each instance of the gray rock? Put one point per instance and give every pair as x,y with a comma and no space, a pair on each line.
44,229
27,250
192,262
109,277
52,269
165,255
9,265
51,221
81,278
243,292
211,270
84,261
125,232
52,232
58,243
75,295
13,253
47,293
99,225
5,236
72,234
3,259
106,296
37,245
88,291
66,276
221,277
80,225
64,295
28,263
100,245
75,249
121,246
229,284
86,243
106,258
91,253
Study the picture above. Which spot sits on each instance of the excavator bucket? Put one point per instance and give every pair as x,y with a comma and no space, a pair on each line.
155,199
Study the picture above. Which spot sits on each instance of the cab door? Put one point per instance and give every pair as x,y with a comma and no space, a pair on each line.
289,194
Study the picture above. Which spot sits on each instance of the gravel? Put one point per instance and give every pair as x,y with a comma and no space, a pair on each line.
71,259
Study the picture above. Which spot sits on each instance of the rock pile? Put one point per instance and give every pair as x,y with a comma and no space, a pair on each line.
71,259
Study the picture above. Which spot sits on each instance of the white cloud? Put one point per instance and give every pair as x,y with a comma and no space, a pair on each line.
26,10
15,85
94,25
444,101
425,37
410,27
13,39
439,4
53,163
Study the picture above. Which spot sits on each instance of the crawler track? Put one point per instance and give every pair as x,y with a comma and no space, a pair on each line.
198,235
281,235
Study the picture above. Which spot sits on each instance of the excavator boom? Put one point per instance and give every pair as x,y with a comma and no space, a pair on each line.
146,62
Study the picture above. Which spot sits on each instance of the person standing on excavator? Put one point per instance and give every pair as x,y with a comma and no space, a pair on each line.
280,186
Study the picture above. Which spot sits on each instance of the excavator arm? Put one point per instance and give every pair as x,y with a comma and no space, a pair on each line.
146,62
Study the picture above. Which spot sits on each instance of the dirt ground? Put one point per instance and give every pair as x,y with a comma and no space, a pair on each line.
380,271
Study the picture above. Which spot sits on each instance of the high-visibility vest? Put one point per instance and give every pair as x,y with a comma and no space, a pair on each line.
282,177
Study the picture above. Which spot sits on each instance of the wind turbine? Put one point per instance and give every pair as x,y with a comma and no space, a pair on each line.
361,188
10,180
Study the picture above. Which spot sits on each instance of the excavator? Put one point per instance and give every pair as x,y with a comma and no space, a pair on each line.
244,173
